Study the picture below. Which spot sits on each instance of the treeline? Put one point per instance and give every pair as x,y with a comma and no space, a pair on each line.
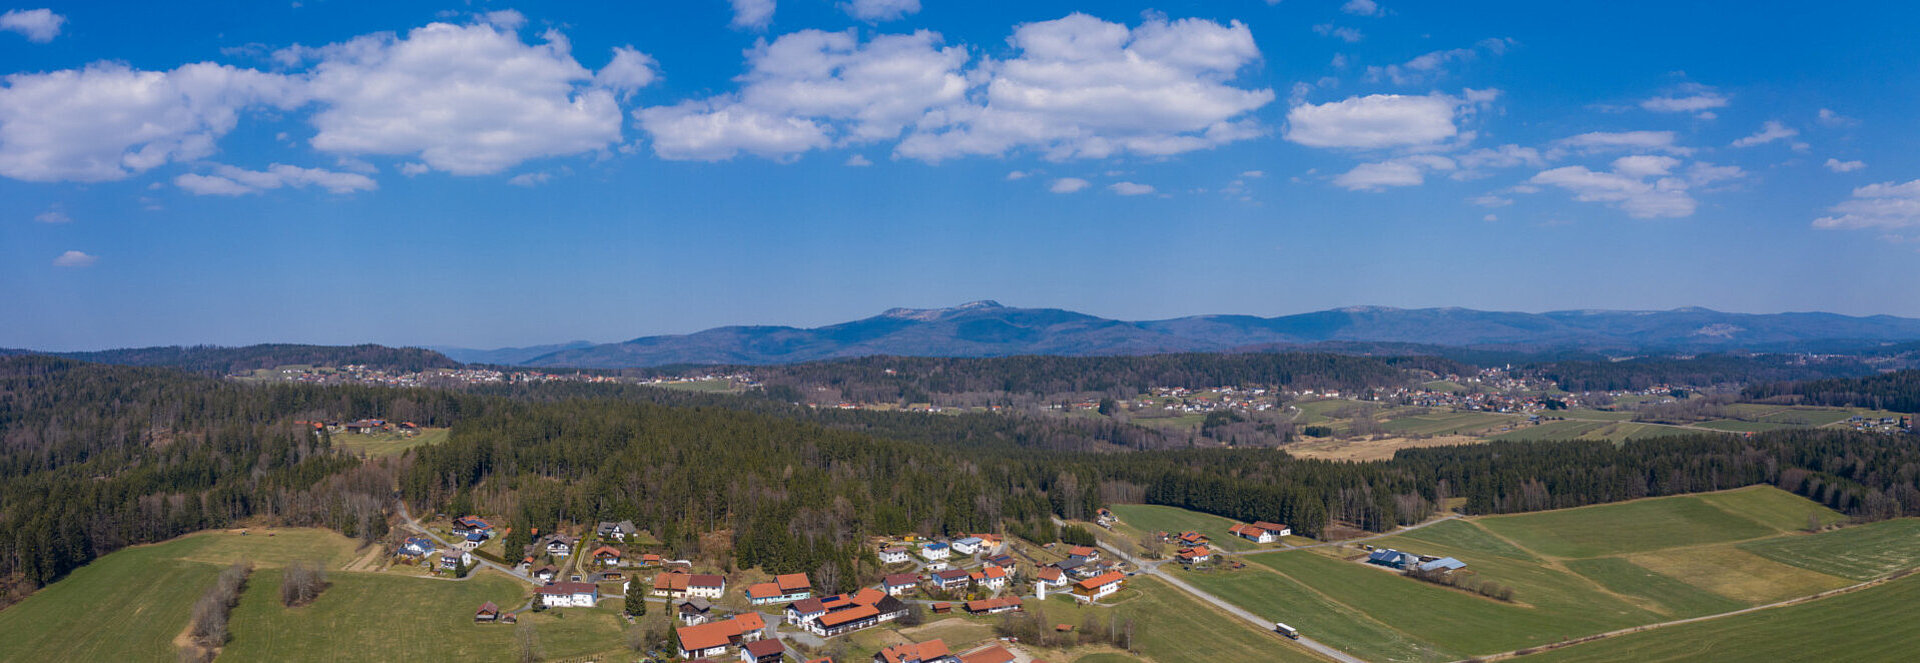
1898,391
218,360
929,379
95,457
1700,371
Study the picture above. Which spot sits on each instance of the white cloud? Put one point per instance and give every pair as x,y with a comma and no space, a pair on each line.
1349,35
1404,171
1067,185
859,160
1017,175
53,215
74,259
1504,156
413,168
1082,87
1884,205
1433,65
1694,103
1253,174
233,181
507,19
629,70
1362,8
108,121
806,88
1130,188
1839,166
752,14
1635,141
37,25
1770,131
530,179
467,100
1644,186
1832,119
1491,200
880,10
1375,121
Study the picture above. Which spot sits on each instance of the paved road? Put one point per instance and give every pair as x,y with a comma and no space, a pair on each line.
417,527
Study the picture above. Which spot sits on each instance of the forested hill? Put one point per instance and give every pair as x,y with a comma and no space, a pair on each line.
217,360
914,379
1697,371
1898,391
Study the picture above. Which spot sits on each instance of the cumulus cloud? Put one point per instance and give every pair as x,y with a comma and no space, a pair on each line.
1018,175
108,121
1839,166
74,259
1130,188
1884,205
1067,185
1504,156
1082,87
1378,121
1831,119
1403,171
234,181
1362,8
752,14
1639,141
880,10
1702,100
530,179
629,70
1644,186
859,160
807,89
468,100
53,215
1345,34
37,25
1491,200
1434,65
1770,131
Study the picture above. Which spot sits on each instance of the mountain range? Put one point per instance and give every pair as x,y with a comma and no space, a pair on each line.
987,328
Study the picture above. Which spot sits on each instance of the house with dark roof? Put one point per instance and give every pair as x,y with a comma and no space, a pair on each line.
896,584
993,605
488,612
618,531
950,579
416,547
569,594
894,555
694,611
1393,559
763,651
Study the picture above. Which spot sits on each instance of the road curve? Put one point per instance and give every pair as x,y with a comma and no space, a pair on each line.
417,527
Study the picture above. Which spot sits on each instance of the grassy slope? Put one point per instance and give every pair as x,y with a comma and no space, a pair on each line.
1665,594
1875,624
1626,527
1147,518
1171,627
127,606
1859,553
411,618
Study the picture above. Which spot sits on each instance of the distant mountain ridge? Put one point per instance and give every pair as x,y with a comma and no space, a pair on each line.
986,329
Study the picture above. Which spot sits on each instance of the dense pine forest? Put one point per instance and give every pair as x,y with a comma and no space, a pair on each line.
217,360
1700,371
1898,391
96,457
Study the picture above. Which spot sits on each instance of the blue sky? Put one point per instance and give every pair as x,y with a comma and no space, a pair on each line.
493,174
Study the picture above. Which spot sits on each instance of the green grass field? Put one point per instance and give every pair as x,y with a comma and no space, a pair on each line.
1624,528
127,606
1733,426
1552,430
1149,518
382,445
1874,624
1860,553
1447,423
1595,415
1171,627
1574,572
130,605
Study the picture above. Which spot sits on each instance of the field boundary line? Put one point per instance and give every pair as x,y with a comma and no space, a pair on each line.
1677,622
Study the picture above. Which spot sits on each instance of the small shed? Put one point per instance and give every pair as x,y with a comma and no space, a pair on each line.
1443,564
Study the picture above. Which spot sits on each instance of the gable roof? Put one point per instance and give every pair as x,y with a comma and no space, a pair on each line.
867,596
852,614
1080,551
705,580
984,605
749,621
1051,574
793,581
924,651
1271,527
1096,582
808,606
763,590
764,648
898,579
569,589
993,654
603,550
670,581
720,633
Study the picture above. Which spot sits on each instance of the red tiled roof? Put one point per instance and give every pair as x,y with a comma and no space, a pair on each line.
670,581
708,635
1080,551
923,651
867,596
749,621
833,619
608,550
706,580
1050,574
985,605
764,590
793,581
994,654
1274,527
809,606
1096,582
